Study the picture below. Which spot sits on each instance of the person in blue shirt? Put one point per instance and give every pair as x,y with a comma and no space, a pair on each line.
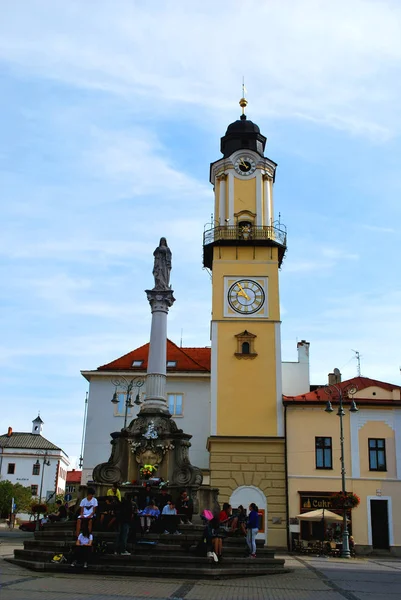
147,515
252,528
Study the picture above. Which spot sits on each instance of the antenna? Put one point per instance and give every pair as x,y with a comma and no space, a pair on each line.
81,458
181,338
244,90
358,360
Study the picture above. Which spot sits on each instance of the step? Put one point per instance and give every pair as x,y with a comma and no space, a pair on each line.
153,558
212,571
62,545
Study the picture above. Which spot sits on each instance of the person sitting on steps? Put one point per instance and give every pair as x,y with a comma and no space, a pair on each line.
82,550
170,518
148,515
88,508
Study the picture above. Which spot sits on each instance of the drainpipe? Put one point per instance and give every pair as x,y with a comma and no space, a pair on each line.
286,479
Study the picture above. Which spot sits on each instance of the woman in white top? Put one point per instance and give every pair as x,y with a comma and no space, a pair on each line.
83,546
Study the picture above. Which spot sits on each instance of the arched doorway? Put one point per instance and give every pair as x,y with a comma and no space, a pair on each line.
245,494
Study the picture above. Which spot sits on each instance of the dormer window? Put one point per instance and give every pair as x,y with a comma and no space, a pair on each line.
137,363
171,363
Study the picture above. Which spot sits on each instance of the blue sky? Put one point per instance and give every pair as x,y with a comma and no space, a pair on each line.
110,114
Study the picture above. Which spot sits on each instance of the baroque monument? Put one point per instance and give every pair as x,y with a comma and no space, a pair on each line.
153,438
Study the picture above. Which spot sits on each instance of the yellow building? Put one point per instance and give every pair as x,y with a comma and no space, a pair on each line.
372,451
244,248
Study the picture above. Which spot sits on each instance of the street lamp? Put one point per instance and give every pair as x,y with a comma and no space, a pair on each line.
127,386
46,463
344,392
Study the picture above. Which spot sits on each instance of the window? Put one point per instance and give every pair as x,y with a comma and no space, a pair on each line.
377,454
36,469
34,490
119,410
245,345
245,348
175,404
137,363
323,451
171,363
11,469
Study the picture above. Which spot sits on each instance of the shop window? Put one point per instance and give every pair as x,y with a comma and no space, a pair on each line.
323,453
377,454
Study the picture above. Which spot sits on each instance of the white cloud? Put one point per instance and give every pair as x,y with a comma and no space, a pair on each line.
333,63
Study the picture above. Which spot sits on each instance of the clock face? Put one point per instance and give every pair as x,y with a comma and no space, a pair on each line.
245,165
246,296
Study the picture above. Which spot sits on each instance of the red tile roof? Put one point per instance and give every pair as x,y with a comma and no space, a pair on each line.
330,392
74,476
187,359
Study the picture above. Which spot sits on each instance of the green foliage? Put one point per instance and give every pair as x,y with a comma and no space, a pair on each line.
22,497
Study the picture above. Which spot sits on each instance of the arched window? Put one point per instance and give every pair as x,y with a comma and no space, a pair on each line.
245,348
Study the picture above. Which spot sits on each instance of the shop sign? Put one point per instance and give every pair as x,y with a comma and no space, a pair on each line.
315,501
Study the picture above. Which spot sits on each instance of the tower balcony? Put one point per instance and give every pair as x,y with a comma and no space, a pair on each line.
244,235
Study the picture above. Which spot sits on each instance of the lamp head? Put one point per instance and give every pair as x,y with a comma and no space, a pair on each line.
340,412
115,398
329,408
129,402
137,400
353,407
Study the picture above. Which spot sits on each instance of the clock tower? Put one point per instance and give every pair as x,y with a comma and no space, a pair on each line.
244,248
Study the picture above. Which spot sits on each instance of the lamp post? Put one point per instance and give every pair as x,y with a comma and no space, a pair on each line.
346,392
127,386
46,463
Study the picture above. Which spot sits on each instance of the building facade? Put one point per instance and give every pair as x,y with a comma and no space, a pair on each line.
33,461
372,452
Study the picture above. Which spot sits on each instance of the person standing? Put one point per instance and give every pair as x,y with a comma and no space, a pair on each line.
252,527
125,511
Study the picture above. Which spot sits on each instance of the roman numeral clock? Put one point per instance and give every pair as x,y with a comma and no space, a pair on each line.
245,297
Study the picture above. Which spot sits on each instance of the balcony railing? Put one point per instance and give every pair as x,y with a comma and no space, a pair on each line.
245,233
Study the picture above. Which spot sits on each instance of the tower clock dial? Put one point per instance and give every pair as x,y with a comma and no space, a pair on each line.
246,296
245,165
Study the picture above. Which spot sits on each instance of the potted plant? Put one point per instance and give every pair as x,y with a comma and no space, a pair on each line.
342,500
147,471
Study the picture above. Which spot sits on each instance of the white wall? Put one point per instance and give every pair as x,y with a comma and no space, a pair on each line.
296,379
102,420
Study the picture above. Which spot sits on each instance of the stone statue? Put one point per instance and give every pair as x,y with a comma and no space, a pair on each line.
162,266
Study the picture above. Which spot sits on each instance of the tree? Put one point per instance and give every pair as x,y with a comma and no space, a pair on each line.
22,497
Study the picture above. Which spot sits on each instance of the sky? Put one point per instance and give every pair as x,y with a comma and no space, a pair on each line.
110,114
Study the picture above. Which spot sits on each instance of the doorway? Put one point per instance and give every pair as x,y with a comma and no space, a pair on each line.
380,524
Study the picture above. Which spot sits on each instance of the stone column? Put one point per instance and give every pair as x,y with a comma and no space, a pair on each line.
160,301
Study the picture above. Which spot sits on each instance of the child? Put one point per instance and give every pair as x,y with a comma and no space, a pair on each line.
88,510
83,546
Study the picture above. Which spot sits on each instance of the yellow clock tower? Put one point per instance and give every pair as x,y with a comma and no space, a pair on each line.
244,249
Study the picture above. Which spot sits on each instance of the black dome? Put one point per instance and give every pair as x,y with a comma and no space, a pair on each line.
242,135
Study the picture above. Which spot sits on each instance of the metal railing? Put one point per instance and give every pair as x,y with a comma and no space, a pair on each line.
250,233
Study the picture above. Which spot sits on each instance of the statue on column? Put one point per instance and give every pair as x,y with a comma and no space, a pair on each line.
162,266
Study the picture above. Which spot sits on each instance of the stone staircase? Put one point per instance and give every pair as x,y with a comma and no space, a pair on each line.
156,555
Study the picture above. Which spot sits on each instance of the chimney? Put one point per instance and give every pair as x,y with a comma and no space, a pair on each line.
303,351
335,377
9,432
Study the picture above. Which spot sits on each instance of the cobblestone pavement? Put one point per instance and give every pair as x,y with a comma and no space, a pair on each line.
312,578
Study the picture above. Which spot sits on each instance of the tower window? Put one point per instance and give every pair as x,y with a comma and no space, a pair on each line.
245,345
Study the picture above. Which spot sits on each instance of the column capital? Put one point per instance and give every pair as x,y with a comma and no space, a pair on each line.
221,177
160,300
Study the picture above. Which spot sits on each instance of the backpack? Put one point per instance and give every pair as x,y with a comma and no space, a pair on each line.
58,559
207,514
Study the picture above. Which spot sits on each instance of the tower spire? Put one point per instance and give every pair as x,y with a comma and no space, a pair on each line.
243,102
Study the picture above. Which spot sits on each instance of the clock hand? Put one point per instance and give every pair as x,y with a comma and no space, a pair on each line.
242,292
243,163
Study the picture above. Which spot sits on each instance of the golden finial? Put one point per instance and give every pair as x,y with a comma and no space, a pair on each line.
243,102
